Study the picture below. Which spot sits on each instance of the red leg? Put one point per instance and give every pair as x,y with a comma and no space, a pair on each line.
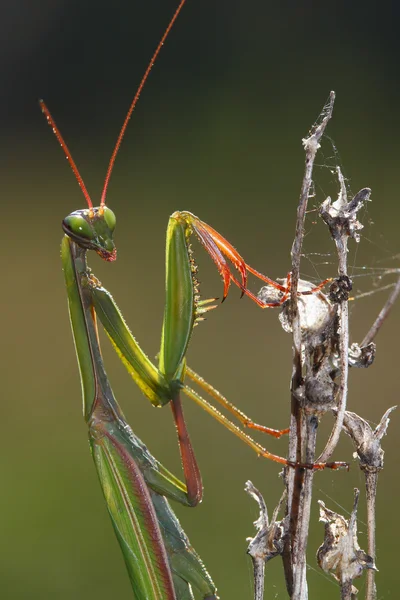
316,289
191,469
259,302
259,275
277,433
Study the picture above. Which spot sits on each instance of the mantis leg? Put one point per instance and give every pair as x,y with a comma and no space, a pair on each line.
156,550
182,310
240,416
151,381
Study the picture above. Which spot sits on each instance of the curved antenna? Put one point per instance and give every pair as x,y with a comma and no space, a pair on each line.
67,153
135,100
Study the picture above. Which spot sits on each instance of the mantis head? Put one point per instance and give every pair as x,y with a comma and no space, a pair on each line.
93,229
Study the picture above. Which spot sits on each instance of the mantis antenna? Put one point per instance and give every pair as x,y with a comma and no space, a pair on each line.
67,153
64,146
135,100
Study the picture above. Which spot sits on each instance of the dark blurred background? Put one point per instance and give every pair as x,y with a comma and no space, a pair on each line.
218,132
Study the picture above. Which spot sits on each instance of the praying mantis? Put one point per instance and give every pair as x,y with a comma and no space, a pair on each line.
161,563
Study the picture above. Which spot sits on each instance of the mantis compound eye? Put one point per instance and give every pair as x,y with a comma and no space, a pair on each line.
78,226
109,218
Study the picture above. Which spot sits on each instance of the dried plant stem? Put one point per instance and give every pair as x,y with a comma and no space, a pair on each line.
382,315
259,577
297,480
343,387
319,383
346,591
340,237
371,485
300,589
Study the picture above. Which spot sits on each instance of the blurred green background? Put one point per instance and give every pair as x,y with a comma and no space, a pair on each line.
218,132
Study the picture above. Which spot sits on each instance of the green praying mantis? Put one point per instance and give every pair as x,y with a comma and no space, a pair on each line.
161,563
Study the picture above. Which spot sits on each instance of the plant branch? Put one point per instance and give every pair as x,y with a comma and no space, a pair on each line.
341,218
383,314
298,508
340,239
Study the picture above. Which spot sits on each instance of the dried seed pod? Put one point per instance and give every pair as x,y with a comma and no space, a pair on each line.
367,440
340,554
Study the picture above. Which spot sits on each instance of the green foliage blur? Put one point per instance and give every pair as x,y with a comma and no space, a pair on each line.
218,132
